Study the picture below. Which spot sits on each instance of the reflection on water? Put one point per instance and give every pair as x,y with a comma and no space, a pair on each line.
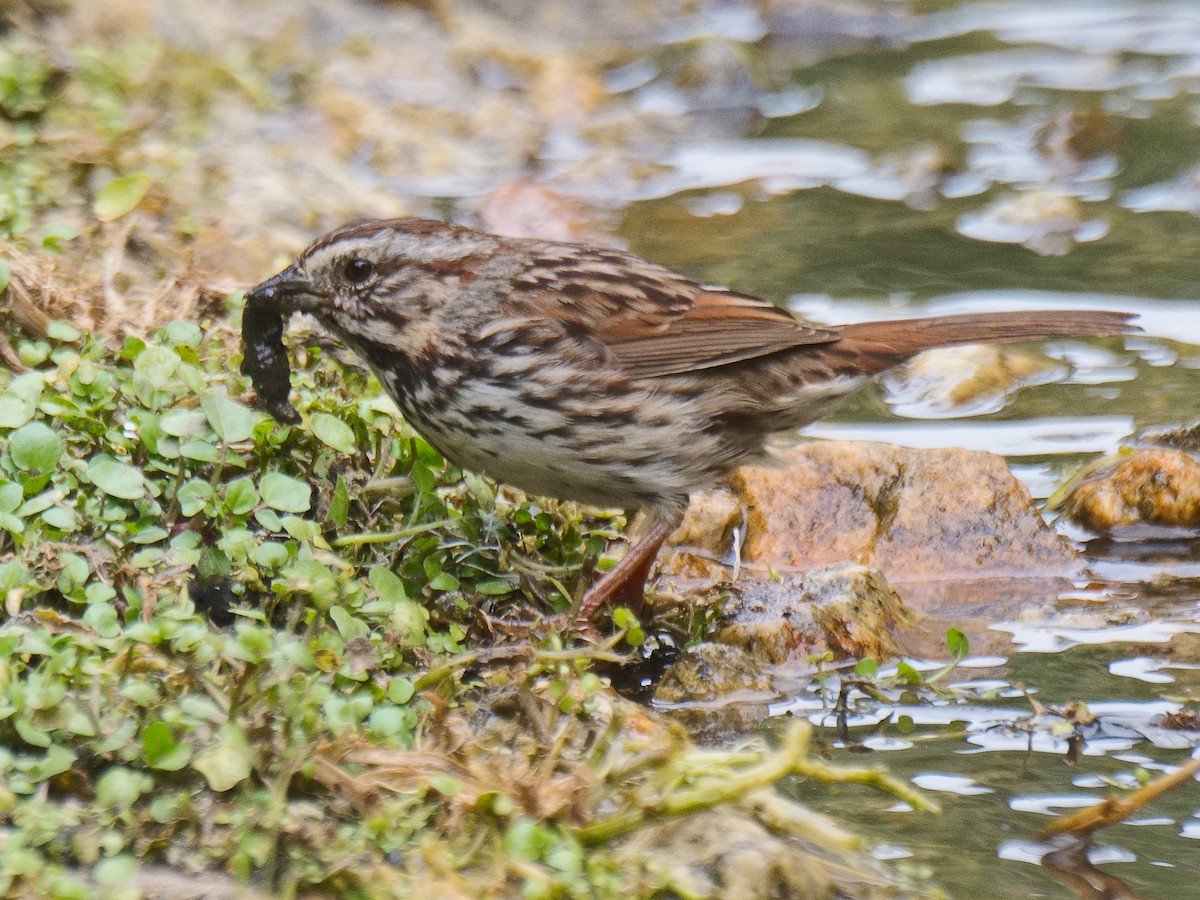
956,156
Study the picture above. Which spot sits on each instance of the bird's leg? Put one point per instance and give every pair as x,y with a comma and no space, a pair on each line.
626,581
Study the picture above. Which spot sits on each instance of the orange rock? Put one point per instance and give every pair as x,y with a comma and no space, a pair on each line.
1151,485
915,514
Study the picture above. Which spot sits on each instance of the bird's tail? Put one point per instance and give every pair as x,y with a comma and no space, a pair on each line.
880,345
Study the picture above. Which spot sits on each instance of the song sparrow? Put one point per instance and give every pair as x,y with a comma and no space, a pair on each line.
586,373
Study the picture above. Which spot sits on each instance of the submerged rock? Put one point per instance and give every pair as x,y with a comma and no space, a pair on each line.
1146,486
710,671
772,629
729,854
953,381
848,609
715,690
1047,223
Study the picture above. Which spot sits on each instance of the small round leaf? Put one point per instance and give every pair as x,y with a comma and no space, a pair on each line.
120,196
35,447
333,431
231,421
227,762
284,493
116,479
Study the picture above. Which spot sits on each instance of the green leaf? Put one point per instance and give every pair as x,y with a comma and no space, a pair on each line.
63,331
231,421
149,534
184,423
34,505
199,450
161,749
443,581
905,672
409,621
446,785
61,518
240,496
284,493
185,333
422,477
119,788
310,577
400,690
58,759
35,447
228,762
387,584
54,235
496,587
193,495
271,554
15,411
339,505
866,668
74,572
957,643
120,196
10,497
117,479
115,871
388,720
28,386
268,519
439,580
623,617
347,625
333,431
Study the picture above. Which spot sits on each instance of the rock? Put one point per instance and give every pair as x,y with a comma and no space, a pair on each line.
709,524
914,514
848,609
715,690
709,672
1185,438
956,534
729,854
964,380
697,554
1048,223
1149,485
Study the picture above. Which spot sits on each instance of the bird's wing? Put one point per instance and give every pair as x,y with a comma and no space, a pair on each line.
652,321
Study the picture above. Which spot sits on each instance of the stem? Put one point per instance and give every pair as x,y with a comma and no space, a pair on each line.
1113,809
383,537
792,758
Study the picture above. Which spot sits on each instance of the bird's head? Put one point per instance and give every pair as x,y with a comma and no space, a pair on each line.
375,283
359,268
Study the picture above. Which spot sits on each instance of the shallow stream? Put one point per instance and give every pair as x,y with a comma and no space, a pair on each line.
973,156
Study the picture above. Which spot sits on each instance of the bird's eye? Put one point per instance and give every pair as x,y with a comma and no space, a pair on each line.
357,270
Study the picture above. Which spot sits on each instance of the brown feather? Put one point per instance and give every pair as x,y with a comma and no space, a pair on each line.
879,345
719,328
653,322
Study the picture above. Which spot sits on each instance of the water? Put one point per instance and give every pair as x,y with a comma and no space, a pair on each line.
968,156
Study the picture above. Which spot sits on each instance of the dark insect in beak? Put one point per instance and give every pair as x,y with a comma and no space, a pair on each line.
264,357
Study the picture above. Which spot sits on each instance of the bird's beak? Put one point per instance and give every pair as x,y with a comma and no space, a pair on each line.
289,291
